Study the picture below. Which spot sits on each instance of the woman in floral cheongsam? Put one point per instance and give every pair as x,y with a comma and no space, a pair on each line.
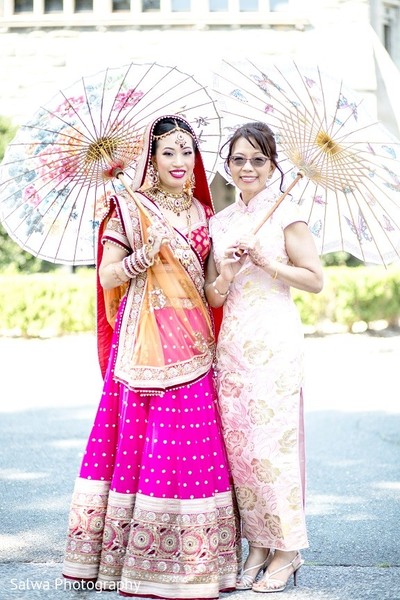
260,356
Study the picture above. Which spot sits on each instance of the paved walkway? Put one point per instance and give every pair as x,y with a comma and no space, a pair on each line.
49,393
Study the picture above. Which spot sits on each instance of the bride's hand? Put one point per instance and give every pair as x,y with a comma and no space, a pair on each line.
157,235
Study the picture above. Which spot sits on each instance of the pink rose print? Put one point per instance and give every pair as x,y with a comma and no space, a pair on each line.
70,106
31,196
231,385
235,441
127,99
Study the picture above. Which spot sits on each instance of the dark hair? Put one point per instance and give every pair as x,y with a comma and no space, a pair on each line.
259,135
164,125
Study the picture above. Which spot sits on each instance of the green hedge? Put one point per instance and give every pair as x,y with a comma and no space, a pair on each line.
353,295
59,303
47,304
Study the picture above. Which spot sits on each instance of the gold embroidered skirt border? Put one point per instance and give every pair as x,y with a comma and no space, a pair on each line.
171,548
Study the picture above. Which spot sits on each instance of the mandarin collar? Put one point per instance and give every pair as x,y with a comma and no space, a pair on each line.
259,200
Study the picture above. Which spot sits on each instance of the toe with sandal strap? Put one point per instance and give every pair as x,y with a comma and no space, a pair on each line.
269,583
245,581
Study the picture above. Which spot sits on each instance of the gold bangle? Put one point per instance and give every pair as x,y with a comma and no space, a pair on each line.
275,274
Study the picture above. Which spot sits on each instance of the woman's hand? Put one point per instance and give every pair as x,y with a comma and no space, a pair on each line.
157,235
218,281
230,264
250,244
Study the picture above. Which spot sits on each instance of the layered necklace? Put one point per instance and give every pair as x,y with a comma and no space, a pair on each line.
177,203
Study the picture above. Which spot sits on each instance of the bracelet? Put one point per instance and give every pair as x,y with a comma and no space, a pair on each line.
275,274
137,262
217,291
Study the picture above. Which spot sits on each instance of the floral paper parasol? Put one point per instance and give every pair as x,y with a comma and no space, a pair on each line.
60,170
342,167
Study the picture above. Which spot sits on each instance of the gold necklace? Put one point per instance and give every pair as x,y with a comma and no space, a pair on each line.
175,202
189,227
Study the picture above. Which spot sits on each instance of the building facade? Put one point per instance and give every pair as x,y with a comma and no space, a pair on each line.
46,45
150,13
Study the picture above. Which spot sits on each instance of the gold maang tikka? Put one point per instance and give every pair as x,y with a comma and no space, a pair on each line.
179,140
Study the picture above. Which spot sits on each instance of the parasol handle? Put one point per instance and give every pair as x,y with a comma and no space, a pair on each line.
295,181
119,174
121,177
238,253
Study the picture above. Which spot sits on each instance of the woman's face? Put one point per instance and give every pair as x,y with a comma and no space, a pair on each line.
249,178
174,161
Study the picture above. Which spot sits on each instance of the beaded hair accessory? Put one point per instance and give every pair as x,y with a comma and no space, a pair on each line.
179,140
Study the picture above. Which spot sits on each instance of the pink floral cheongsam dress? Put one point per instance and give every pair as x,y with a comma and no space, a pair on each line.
260,378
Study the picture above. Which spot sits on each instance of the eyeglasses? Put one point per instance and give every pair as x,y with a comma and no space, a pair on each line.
256,161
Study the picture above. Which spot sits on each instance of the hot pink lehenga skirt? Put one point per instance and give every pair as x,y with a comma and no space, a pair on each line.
152,512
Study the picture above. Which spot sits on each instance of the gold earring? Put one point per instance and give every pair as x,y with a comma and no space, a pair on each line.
189,185
153,175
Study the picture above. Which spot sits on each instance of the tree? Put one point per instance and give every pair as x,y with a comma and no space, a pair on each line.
11,255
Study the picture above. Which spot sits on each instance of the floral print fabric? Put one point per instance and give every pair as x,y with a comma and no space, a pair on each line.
260,378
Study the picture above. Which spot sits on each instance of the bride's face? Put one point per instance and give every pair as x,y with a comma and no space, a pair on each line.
174,161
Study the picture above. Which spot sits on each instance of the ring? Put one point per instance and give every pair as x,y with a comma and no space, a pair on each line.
237,255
